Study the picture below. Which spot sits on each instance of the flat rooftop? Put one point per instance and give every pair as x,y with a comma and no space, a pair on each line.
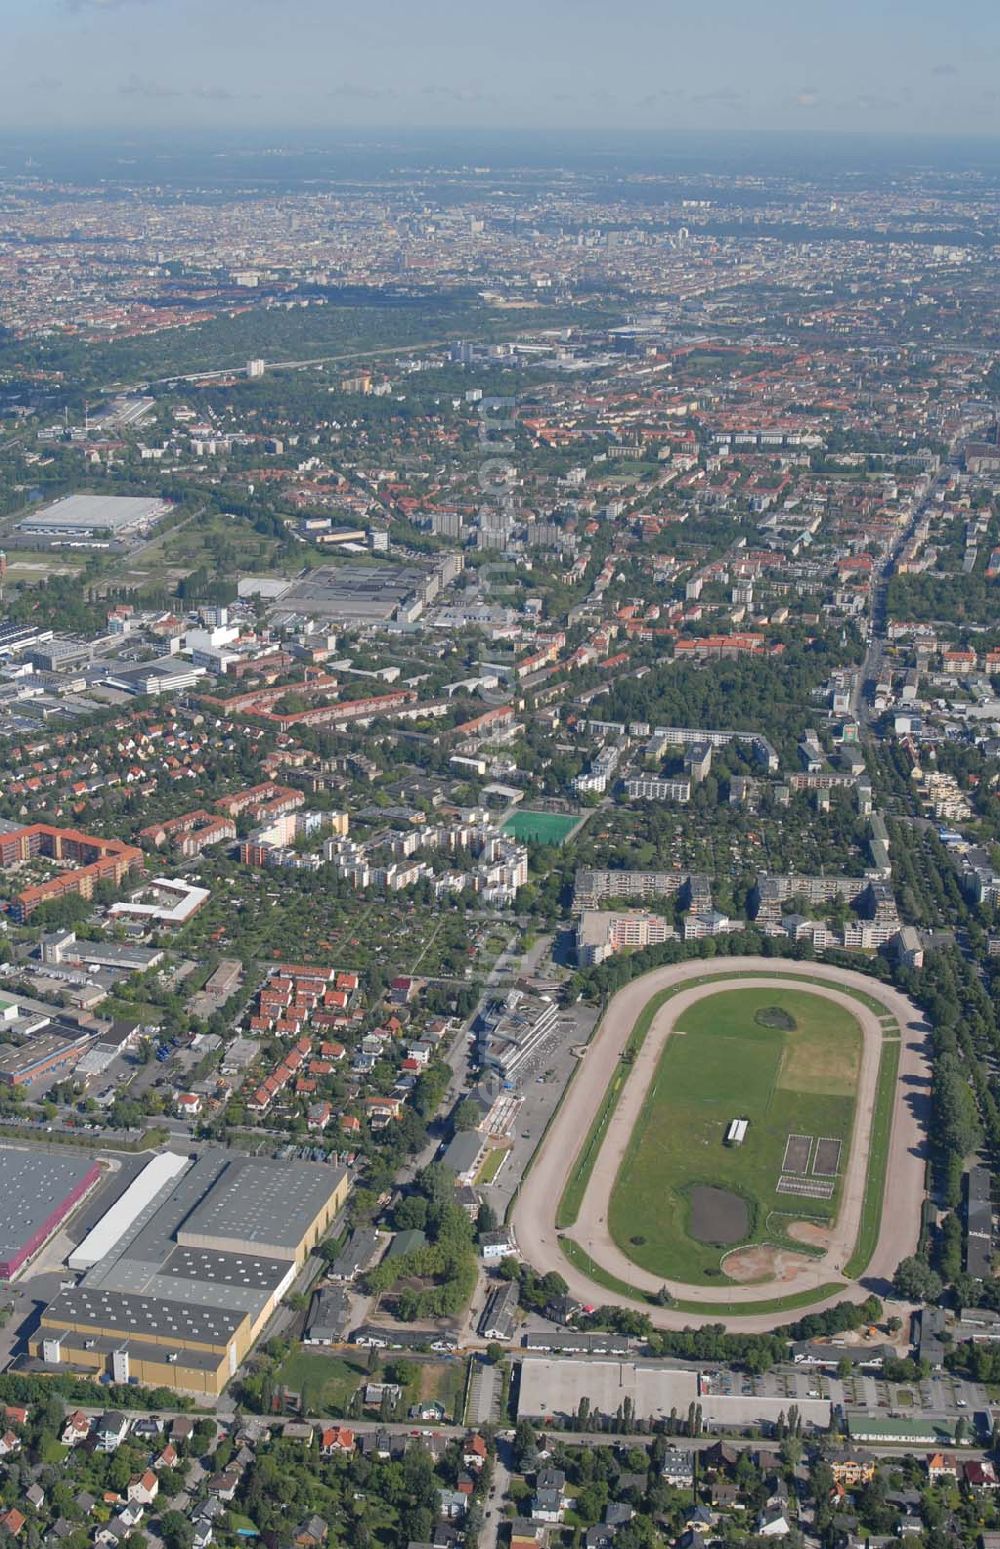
555,1387
147,1262
149,1242
242,1282
173,901
270,1205
93,513
35,1187
17,1058
353,592
145,1317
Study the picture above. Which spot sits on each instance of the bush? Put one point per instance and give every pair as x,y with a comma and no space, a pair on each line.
774,1016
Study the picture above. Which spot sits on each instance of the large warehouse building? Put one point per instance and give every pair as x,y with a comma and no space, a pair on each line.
42,1056
88,518
192,1271
553,1389
38,1192
276,1210
126,1210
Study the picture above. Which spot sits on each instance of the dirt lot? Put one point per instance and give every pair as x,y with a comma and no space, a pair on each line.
797,1149
811,1232
762,1263
827,1162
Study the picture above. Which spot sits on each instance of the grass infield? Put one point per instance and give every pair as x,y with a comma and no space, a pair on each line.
719,1064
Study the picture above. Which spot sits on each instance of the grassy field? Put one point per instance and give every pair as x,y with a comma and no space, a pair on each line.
211,541
541,827
445,1382
32,566
720,1064
327,1383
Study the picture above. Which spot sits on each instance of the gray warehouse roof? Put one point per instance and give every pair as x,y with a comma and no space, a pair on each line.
145,1316
142,1250
90,513
35,1185
269,1204
148,1263
240,1282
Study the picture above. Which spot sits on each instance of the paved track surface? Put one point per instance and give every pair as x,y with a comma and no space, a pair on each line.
535,1210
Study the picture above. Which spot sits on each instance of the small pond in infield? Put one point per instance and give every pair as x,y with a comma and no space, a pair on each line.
718,1216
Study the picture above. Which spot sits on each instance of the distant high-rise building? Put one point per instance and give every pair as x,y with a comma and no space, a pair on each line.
255,368
446,524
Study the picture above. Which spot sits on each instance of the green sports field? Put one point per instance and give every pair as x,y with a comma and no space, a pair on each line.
722,1063
540,827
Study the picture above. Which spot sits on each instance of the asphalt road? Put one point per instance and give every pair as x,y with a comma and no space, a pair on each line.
571,1438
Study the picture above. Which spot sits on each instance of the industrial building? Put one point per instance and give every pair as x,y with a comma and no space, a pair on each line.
554,1389
166,675
60,653
368,594
281,1210
87,518
195,1263
17,638
163,1344
44,1055
164,901
126,1210
39,1191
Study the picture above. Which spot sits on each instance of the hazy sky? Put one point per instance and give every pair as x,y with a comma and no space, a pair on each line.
910,65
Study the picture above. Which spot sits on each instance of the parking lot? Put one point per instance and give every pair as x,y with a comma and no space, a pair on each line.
938,1394
540,1084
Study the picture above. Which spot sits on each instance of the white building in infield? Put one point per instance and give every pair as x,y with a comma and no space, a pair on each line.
736,1131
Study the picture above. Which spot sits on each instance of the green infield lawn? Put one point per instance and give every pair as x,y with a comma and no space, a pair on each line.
721,1063
541,827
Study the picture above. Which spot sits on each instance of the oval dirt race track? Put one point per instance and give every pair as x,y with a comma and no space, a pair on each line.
535,1209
